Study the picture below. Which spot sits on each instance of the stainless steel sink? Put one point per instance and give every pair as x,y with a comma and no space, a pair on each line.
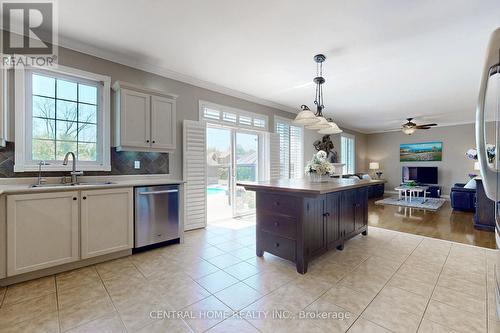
69,184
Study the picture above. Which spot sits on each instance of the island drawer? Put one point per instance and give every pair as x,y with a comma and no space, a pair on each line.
281,225
278,203
279,246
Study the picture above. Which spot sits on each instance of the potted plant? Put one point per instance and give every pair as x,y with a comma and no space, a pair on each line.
319,167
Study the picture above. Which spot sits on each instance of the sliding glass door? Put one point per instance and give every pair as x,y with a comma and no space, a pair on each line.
232,156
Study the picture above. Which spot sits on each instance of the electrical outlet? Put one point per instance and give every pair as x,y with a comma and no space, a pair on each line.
137,164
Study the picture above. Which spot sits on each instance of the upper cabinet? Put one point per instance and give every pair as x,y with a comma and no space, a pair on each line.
144,119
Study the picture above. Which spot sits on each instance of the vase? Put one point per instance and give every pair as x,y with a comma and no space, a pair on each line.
315,178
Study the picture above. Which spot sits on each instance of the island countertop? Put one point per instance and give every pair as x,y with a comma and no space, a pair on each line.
305,186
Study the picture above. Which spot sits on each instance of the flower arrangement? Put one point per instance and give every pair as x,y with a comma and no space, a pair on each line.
491,151
319,165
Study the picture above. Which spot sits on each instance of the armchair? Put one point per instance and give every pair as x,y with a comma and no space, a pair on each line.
463,198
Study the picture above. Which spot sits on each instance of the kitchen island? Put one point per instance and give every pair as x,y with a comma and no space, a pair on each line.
299,220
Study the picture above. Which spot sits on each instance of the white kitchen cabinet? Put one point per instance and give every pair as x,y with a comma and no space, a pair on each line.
107,221
42,231
145,119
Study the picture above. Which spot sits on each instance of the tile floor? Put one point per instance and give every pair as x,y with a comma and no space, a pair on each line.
385,282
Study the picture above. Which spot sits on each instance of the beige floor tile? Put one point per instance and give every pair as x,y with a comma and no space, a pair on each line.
166,325
337,319
224,260
110,323
117,268
419,273
268,281
370,283
409,284
349,299
77,278
182,294
242,270
217,281
28,290
238,296
403,300
84,312
474,304
45,323
455,318
210,252
463,286
230,246
244,253
390,317
427,326
207,313
18,312
232,325
75,295
136,315
365,326
330,271
199,269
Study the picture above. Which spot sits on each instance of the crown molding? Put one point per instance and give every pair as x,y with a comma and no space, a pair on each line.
167,73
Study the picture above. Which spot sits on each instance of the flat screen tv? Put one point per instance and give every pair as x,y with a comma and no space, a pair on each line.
422,175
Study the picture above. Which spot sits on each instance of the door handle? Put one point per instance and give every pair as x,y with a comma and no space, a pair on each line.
158,192
491,67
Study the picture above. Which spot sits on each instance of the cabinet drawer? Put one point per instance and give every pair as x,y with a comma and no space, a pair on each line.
279,246
282,204
284,226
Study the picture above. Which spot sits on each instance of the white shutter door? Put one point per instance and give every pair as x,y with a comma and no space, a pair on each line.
195,174
274,156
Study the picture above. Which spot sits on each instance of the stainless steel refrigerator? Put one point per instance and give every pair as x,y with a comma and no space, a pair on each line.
488,137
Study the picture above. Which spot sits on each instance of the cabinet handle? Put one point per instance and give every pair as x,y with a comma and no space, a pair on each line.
326,214
277,203
154,141
276,224
277,244
74,198
84,198
147,141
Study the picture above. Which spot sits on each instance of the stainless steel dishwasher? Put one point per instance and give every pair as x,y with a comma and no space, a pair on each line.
156,214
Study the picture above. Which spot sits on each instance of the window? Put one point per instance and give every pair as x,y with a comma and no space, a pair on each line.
220,114
348,153
64,110
291,148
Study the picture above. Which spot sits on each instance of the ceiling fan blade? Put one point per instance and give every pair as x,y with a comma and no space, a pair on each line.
426,125
423,127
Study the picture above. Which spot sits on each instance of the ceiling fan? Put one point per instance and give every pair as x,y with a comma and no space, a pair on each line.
410,127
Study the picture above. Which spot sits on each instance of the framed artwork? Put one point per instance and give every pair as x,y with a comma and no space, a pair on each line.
421,152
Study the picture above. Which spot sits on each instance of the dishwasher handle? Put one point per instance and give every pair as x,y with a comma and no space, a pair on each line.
158,192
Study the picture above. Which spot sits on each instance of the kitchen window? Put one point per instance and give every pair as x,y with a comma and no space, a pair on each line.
348,153
62,111
291,148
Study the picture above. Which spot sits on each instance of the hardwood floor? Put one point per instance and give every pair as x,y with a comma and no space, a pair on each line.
443,224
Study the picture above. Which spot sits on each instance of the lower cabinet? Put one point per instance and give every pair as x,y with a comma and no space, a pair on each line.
333,234
55,228
106,221
42,231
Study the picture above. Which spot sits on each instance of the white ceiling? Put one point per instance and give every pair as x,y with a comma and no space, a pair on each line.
386,59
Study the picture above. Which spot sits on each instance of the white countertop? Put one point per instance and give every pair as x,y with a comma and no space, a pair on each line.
23,185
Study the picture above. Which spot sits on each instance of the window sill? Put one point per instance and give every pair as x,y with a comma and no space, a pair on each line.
60,167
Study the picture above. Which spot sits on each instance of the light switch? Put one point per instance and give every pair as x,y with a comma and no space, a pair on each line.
137,164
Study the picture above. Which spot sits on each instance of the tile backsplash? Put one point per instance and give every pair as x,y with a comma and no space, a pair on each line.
122,163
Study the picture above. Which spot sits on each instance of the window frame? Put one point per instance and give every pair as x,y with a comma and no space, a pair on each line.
224,116
346,166
23,118
300,168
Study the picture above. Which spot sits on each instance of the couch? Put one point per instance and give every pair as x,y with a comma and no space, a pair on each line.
463,199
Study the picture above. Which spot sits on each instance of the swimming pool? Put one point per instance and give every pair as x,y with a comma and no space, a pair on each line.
215,191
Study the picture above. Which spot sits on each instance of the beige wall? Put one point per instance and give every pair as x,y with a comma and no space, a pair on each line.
454,168
361,146
187,102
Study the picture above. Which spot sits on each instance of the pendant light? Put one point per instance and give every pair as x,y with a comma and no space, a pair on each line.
316,121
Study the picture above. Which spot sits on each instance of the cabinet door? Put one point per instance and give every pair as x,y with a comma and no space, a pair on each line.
347,204
333,236
42,230
315,228
360,210
163,126
135,119
106,221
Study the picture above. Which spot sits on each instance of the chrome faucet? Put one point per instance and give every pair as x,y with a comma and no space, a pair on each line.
74,173
40,179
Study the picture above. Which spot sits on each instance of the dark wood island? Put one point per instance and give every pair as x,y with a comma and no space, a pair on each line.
299,220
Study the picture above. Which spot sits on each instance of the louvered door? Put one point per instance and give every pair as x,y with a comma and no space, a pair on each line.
195,174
